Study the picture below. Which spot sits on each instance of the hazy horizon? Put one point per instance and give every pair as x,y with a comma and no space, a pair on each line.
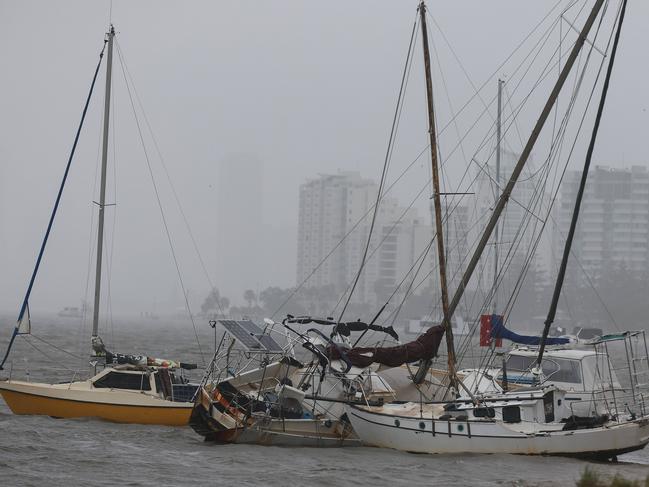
301,88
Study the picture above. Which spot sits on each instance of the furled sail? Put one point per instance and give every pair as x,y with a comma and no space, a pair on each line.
144,361
24,325
423,348
499,331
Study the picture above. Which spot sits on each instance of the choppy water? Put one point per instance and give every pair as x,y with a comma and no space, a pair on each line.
37,451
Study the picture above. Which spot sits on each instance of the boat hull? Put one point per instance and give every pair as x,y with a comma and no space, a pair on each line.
25,398
419,435
229,426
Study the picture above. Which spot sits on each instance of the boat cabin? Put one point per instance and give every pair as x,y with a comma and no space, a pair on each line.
162,382
585,375
570,369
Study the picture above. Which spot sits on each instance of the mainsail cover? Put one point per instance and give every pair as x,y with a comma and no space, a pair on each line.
498,330
423,348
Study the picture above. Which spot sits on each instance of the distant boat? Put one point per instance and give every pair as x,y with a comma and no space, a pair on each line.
131,388
70,312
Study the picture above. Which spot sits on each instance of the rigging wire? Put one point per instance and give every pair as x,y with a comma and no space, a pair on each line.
56,347
442,130
47,356
25,305
445,181
571,105
386,163
587,276
385,236
162,214
170,181
506,60
344,237
466,134
488,358
584,176
81,331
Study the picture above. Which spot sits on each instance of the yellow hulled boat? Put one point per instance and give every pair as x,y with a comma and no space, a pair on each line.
131,388
122,395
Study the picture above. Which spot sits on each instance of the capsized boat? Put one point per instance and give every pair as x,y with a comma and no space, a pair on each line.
131,388
258,391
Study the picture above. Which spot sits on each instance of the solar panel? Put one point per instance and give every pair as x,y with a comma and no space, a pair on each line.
269,342
235,329
251,327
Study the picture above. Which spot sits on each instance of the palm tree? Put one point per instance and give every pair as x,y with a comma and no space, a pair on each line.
249,296
224,303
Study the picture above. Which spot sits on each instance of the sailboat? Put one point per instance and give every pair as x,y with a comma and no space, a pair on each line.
258,391
541,418
131,388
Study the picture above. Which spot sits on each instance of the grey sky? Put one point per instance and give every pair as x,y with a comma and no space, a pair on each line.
305,87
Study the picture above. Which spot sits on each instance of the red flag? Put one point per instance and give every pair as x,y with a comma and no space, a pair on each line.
485,332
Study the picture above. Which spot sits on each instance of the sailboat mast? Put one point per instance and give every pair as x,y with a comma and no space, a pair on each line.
102,191
580,193
536,131
497,176
436,199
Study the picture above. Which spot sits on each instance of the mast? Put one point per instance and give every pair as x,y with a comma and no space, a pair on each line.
580,193
536,131
438,206
102,191
23,325
496,230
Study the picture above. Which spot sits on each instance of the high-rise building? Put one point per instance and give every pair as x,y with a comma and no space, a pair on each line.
335,213
613,226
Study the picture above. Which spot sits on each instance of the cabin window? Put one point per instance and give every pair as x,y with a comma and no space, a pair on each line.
554,369
484,412
512,414
122,380
562,370
548,407
519,363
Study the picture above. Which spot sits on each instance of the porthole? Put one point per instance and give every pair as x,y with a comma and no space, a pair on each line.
460,427
422,425
397,423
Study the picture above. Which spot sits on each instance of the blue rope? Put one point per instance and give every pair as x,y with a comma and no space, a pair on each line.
23,308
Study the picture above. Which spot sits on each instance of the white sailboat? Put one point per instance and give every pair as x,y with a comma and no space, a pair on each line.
544,418
131,389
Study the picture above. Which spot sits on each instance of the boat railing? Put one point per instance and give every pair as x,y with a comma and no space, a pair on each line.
183,392
615,402
74,376
22,371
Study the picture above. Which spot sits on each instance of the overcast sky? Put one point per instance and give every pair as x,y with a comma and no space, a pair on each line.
302,87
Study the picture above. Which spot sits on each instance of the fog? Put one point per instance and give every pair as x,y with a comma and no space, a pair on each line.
246,100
